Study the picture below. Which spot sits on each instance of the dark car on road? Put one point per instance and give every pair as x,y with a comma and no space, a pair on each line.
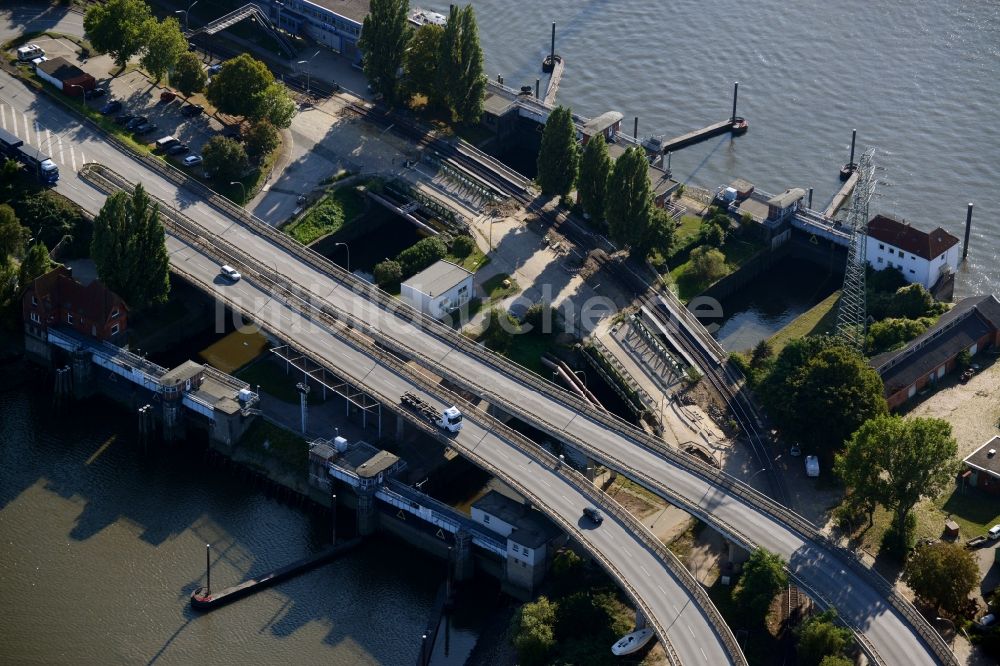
96,93
192,110
594,515
111,107
135,122
179,149
146,128
123,118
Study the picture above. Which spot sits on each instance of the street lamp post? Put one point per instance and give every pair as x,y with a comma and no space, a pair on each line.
186,12
308,64
762,469
243,189
348,248
83,93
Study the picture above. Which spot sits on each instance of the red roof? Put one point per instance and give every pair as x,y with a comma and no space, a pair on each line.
93,301
910,239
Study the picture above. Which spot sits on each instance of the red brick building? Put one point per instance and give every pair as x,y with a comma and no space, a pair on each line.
57,299
972,325
982,467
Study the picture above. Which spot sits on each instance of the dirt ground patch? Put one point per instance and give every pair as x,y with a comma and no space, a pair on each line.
972,409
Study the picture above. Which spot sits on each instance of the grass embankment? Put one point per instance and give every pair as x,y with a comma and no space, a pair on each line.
527,349
974,511
327,216
471,262
689,284
495,288
820,319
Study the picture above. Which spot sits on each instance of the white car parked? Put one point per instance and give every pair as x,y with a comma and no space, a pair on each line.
230,273
192,160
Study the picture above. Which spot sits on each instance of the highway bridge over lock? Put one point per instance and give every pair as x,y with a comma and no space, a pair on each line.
368,338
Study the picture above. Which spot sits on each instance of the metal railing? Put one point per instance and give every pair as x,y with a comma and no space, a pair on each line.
626,431
350,330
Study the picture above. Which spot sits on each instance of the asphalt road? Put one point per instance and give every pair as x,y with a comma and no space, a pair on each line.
687,626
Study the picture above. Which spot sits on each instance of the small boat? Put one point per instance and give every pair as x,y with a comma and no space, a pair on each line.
632,642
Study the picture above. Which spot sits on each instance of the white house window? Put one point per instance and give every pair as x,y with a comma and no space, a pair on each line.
881,246
486,518
69,317
114,329
941,257
912,271
880,260
114,313
35,318
514,547
891,251
913,258
34,301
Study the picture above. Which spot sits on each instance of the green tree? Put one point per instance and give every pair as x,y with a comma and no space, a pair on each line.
9,170
533,629
120,28
422,254
499,330
558,156
238,86
706,264
820,637
820,392
908,460
384,37
129,249
165,45
660,235
462,246
762,353
52,218
943,574
460,63
911,302
421,76
763,577
712,233
36,262
893,333
832,660
261,138
274,105
388,274
225,158
595,170
188,76
630,199
471,84
13,236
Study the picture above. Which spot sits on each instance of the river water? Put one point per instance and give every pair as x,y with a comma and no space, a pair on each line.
919,80
101,546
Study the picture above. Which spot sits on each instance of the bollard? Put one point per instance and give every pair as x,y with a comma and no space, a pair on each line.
968,229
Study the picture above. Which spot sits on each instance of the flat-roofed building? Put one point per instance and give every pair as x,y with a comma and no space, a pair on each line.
439,289
335,24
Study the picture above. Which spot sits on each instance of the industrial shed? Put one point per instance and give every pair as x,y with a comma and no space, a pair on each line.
439,289
65,76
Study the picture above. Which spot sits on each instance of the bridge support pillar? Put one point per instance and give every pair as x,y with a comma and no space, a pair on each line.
303,390
463,556
400,425
591,469
173,422
367,515
640,620
82,386
737,554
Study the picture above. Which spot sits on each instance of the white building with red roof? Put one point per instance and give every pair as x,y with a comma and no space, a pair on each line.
923,257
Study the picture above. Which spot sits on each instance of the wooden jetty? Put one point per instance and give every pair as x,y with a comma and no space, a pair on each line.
556,76
841,197
735,126
203,600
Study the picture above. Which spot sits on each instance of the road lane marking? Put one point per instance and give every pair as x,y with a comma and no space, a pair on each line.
691,631
48,139
3,115
38,139
661,588
83,159
644,569
61,160
72,157
547,484
703,653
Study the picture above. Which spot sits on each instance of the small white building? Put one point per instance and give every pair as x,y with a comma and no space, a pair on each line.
531,539
924,258
439,289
